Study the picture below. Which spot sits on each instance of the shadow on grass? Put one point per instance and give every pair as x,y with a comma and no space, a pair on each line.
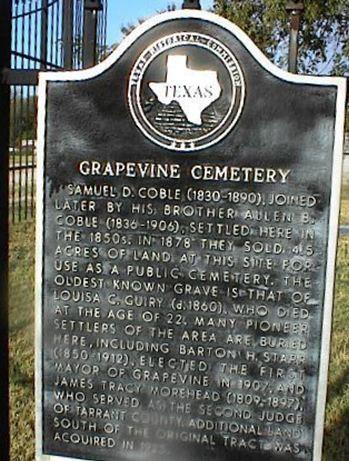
336,441
20,377
19,326
339,387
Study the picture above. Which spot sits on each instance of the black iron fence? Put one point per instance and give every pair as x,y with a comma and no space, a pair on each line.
46,35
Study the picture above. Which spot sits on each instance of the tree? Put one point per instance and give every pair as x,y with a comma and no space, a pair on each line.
324,35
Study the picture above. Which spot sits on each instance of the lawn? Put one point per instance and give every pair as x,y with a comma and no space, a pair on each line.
22,341
336,445
345,205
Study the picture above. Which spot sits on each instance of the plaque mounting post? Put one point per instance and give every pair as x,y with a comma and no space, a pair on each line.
191,4
295,9
91,8
68,28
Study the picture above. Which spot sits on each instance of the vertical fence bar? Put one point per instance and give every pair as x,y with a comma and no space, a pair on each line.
29,133
13,123
21,147
5,62
104,30
43,35
50,34
33,157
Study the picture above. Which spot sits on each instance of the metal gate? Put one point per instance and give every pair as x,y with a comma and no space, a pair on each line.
46,35
35,35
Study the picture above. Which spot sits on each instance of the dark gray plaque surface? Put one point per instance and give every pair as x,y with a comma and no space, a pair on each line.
188,200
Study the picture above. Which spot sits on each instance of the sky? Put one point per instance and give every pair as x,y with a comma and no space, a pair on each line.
123,12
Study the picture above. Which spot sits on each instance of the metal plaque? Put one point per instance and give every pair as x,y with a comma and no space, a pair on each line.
188,197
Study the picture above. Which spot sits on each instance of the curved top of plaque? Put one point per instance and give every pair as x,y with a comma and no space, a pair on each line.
186,79
207,19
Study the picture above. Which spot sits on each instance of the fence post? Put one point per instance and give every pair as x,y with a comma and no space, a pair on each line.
68,25
91,9
5,63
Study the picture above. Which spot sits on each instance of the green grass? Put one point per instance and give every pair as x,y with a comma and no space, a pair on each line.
344,218
22,409
336,441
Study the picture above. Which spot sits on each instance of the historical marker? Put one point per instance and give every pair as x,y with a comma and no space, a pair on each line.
188,206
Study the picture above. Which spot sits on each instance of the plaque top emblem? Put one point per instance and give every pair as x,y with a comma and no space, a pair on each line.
186,91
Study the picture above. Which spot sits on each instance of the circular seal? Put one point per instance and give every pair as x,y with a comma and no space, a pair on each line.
186,91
